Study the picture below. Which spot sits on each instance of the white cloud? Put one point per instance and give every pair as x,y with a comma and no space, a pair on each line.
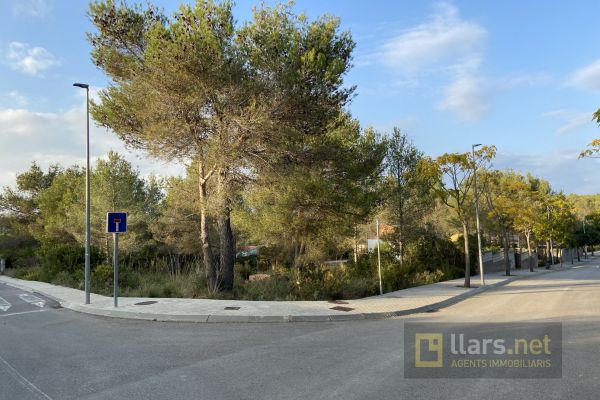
469,95
59,137
13,98
451,49
466,96
572,120
29,60
31,8
587,77
445,44
445,40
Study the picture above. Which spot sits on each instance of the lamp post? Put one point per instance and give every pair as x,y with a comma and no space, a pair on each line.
481,277
585,240
548,266
379,258
87,191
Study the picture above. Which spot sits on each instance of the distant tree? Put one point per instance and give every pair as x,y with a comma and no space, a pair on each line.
118,186
22,203
502,191
308,209
62,209
558,221
591,235
178,225
586,208
20,222
563,219
530,210
409,196
115,186
454,182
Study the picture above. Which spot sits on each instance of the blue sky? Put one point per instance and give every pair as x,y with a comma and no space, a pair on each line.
524,76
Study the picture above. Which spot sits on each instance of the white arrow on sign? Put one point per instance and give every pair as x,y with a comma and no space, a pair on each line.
4,305
31,299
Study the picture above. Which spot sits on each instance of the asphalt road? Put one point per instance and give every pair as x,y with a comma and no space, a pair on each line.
52,353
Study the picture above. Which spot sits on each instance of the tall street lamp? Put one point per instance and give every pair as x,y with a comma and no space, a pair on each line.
481,277
87,192
379,258
585,239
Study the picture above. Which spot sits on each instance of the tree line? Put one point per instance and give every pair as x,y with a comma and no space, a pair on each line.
301,221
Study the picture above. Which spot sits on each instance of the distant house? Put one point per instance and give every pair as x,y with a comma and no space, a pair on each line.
372,244
384,230
335,263
247,251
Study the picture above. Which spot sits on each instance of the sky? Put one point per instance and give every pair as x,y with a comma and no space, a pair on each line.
524,76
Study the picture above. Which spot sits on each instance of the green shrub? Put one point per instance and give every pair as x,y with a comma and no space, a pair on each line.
152,290
172,289
244,269
360,287
18,250
30,274
276,287
70,257
426,277
313,283
64,278
102,278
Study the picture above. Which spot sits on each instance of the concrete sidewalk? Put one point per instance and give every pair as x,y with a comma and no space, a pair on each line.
402,302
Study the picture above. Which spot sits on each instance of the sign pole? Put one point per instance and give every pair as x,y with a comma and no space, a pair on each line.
116,222
116,267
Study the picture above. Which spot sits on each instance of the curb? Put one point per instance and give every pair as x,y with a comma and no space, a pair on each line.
210,318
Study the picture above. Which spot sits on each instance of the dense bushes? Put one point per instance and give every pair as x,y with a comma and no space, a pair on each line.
360,279
60,263
56,257
312,284
63,264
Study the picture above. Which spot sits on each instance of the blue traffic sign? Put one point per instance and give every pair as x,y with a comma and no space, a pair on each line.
116,222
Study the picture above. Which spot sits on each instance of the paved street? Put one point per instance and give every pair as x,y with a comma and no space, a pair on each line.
53,353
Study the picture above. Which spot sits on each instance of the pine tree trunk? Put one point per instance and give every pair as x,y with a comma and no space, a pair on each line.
467,256
226,240
207,256
227,254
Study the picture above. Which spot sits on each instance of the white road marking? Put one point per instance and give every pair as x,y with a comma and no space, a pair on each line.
31,299
4,305
22,312
24,381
